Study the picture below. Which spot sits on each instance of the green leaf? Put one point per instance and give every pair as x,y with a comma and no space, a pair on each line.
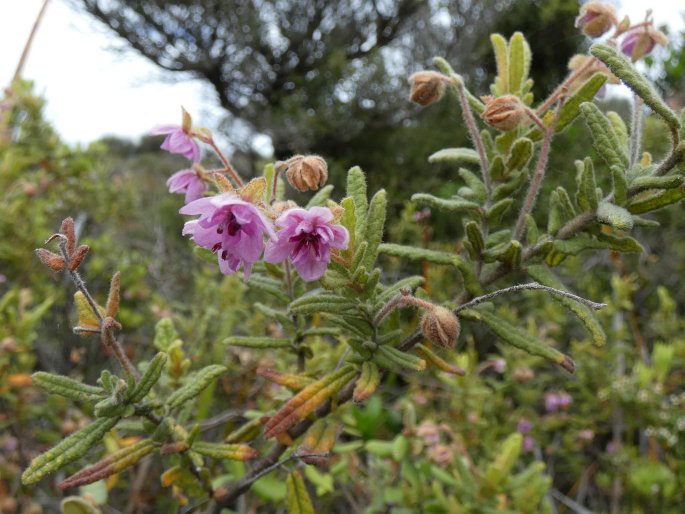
578,244
619,127
417,254
475,183
586,196
68,387
269,176
585,93
556,218
374,227
621,67
452,205
521,152
225,451
605,140
258,342
615,216
349,221
281,316
269,286
499,45
321,196
323,302
356,189
545,276
194,386
394,359
523,340
455,155
499,471
149,378
475,237
513,183
650,182
410,283
620,185
165,334
517,62
649,202
68,450
297,497
495,212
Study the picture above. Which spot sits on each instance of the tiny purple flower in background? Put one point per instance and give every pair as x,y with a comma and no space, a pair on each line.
524,426
231,227
528,444
3,278
178,141
307,237
188,182
586,434
564,400
551,402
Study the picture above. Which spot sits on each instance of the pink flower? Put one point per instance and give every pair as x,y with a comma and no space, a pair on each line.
307,237
178,141
641,41
564,400
188,182
551,402
231,227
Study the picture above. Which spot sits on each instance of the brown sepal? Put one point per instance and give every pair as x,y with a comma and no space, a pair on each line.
67,229
76,258
112,306
51,260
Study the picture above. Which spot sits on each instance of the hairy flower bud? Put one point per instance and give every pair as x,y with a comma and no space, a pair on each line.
503,113
427,87
306,172
596,18
641,41
51,260
440,326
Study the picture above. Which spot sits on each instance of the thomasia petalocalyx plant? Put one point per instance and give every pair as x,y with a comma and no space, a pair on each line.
337,292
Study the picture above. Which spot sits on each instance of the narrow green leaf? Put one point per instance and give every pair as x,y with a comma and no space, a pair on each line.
497,210
586,195
451,205
349,221
499,45
225,451
619,127
523,340
455,155
297,497
417,254
605,140
356,189
545,276
269,286
521,152
667,182
374,227
67,387
517,62
620,186
321,196
475,237
578,244
258,342
615,216
149,378
68,450
392,358
513,183
322,302
585,93
165,334
556,218
281,316
649,201
195,385
624,70
269,176
475,183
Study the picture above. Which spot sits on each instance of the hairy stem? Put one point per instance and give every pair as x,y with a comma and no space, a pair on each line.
470,121
676,156
538,175
227,165
635,129
531,285
565,84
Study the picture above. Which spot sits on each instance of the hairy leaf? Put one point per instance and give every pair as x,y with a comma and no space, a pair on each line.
258,342
297,497
455,155
452,205
67,387
225,451
367,382
195,385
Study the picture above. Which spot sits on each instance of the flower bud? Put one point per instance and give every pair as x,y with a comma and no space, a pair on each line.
596,18
440,326
524,374
504,113
51,260
427,87
306,172
640,42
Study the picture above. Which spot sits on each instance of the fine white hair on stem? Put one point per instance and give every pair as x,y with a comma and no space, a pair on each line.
532,285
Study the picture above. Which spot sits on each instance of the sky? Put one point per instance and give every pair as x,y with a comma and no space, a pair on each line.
93,90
